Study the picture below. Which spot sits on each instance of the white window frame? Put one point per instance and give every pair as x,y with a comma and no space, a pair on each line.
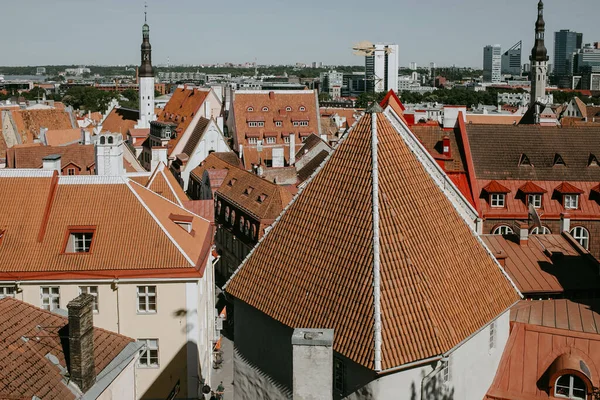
50,297
447,371
271,140
503,230
278,123
286,139
571,201
296,123
80,242
302,109
93,290
143,292
582,235
497,200
7,291
570,388
544,231
149,353
493,336
535,200
252,140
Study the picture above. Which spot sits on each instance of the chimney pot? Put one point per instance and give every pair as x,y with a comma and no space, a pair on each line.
81,341
446,146
523,233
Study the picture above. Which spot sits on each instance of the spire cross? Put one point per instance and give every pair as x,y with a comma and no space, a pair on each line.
145,12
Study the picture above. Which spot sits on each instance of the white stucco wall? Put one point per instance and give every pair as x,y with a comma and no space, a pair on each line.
123,387
146,100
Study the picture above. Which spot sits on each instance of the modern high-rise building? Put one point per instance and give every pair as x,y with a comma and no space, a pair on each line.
146,81
382,68
566,43
511,60
492,63
588,56
539,60
413,66
331,83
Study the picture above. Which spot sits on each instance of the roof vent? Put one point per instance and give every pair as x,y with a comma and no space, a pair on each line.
524,160
232,182
558,160
592,161
271,95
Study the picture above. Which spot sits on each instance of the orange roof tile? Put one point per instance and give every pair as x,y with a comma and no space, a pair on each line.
120,120
29,122
62,137
216,161
28,334
32,156
499,119
164,183
132,238
315,267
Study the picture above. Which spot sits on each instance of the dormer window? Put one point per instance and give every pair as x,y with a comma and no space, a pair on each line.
232,182
535,200
252,140
286,139
265,109
524,161
558,160
248,190
278,123
570,387
302,108
80,240
183,221
592,161
497,200
288,109
261,198
571,201
250,109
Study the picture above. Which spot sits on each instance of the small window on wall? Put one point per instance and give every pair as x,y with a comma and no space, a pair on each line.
93,290
535,200
582,236
339,375
447,370
7,291
79,240
544,230
497,200
502,230
493,334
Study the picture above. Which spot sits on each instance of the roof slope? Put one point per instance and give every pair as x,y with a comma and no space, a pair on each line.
314,269
499,158
61,137
164,183
217,161
25,371
30,121
195,136
32,156
120,120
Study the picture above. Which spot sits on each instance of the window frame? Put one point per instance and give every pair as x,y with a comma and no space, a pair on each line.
4,289
286,139
545,231
252,140
493,338
498,230
535,199
86,289
75,230
146,353
570,388
49,296
583,240
568,200
146,295
278,124
271,140
498,200
339,375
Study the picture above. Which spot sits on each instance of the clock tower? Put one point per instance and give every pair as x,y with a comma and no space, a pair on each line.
539,61
146,80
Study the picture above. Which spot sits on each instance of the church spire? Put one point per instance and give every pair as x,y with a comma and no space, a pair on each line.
539,52
146,66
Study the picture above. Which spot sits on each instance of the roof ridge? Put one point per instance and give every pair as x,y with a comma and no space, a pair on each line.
155,218
162,172
376,245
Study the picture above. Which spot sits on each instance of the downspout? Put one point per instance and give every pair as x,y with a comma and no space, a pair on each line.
376,245
115,286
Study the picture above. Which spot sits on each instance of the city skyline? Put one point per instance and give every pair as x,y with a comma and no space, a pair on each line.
109,33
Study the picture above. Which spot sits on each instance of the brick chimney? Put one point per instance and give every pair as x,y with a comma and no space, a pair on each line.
523,233
81,341
446,147
312,368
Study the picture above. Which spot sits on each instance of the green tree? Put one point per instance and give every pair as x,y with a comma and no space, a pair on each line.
88,98
365,99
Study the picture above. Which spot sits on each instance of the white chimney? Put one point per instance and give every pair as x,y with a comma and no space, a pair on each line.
159,154
52,163
292,148
312,364
109,155
241,151
220,123
86,138
565,222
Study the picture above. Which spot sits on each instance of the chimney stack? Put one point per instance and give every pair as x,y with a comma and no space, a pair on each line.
52,163
86,138
446,147
565,222
292,148
523,233
312,367
81,341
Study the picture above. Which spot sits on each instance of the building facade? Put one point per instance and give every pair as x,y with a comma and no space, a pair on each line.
511,60
492,63
566,43
382,68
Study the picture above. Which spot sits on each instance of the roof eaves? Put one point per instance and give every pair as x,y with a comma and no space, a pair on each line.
185,255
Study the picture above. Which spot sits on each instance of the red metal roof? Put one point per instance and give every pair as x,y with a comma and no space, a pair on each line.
567,188
495,187
532,188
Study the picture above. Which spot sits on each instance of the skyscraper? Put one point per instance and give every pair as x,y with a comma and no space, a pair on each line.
511,60
566,43
146,80
382,68
539,60
492,63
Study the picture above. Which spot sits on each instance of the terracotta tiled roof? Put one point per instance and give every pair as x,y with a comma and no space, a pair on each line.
310,143
252,156
582,106
82,156
62,137
29,122
532,188
164,183
28,334
499,158
545,264
567,188
216,161
267,208
133,233
544,332
312,165
315,267
195,137
181,109
351,114
203,208
431,136
120,120
499,119
495,187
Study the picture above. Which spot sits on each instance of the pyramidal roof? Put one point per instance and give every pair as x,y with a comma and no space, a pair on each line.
372,248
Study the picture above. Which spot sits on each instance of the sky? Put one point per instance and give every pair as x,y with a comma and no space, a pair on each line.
108,32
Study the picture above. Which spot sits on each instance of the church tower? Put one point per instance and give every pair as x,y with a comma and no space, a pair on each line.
539,60
146,80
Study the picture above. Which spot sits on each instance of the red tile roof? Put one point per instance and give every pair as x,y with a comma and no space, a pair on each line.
544,333
495,187
545,264
567,188
531,188
83,156
315,266
29,122
223,161
163,182
120,120
133,234
28,334
62,137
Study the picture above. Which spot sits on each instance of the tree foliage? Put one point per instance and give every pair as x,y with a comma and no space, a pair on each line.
88,98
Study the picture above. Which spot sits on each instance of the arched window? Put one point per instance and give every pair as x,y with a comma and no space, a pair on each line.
570,387
247,227
219,207
232,217
265,109
288,109
253,230
250,109
241,224
302,108
102,139
110,140
502,230
544,230
227,213
581,235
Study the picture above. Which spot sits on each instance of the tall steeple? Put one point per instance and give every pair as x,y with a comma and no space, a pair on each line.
146,79
539,60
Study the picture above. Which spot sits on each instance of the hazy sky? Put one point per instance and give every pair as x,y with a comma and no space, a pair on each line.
42,32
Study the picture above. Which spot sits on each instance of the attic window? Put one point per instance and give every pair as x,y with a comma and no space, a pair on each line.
248,190
241,224
261,198
302,108
558,160
183,221
250,109
524,161
265,109
2,233
288,108
232,182
79,240
592,161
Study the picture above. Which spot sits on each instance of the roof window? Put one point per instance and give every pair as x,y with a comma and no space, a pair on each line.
558,160
79,240
302,108
250,109
288,108
183,221
265,109
570,387
232,182
248,190
261,198
592,161
524,161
